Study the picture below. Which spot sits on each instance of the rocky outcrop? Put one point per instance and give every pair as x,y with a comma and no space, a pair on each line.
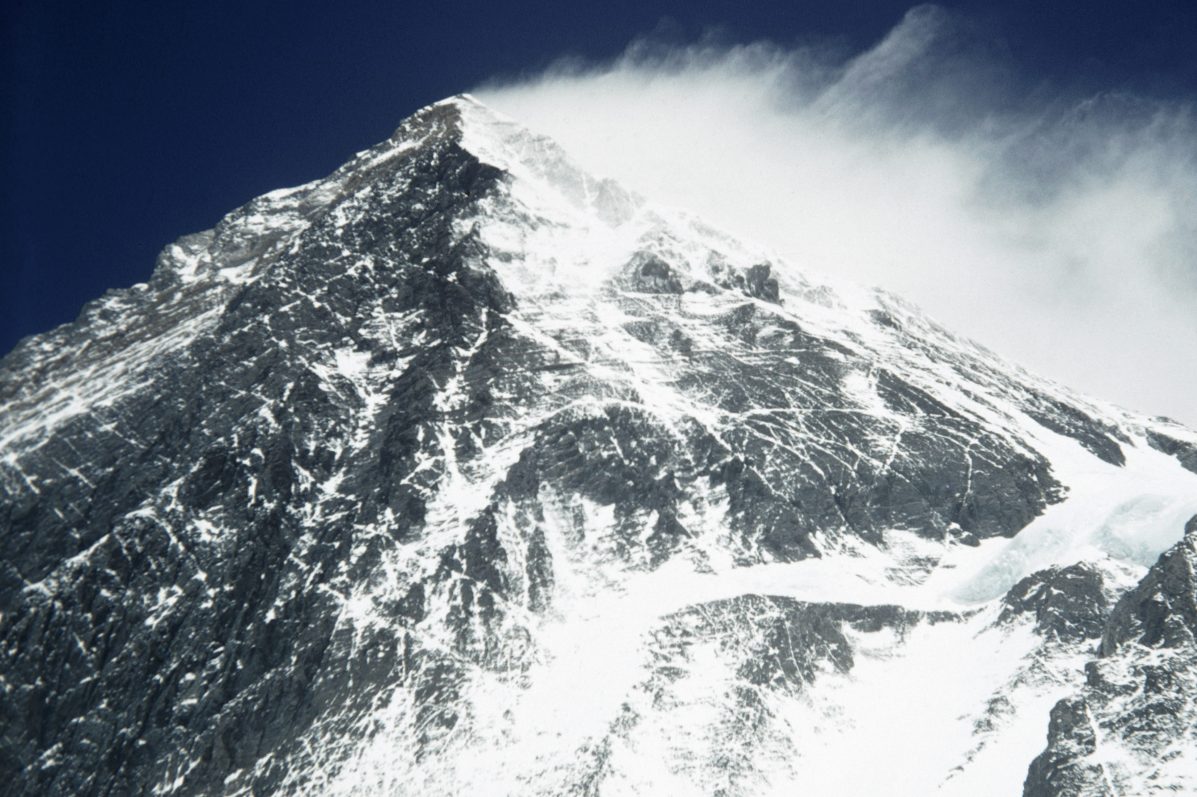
1067,603
1132,728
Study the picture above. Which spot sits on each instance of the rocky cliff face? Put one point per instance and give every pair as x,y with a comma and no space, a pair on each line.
463,470
1132,728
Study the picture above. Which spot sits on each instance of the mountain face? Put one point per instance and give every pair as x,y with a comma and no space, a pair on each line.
463,471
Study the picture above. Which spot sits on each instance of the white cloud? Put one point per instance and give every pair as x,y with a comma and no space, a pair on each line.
1059,231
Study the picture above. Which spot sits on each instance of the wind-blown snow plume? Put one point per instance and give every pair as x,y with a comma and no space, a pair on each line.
1048,225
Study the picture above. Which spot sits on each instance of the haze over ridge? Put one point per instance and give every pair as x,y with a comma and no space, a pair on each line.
1053,225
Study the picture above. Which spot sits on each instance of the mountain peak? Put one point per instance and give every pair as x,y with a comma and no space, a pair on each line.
446,118
465,468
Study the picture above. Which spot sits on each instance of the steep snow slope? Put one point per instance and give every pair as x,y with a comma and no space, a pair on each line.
463,470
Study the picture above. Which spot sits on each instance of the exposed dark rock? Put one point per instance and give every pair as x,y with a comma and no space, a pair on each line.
1162,610
1100,438
1068,603
1138,699
1185,452
1065,768
650,274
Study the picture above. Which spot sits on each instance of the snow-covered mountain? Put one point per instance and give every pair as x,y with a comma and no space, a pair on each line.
462,471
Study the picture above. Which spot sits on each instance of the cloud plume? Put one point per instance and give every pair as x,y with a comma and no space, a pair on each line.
1056,227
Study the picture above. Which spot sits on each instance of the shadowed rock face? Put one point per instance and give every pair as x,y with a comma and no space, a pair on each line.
1068,603
1185,452
1067,769
171,585
1133,726
1161,612
298,514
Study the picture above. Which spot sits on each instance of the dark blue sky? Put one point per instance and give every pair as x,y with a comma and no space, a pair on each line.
128,124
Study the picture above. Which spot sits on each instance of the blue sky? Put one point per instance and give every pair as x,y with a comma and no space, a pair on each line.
128,124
